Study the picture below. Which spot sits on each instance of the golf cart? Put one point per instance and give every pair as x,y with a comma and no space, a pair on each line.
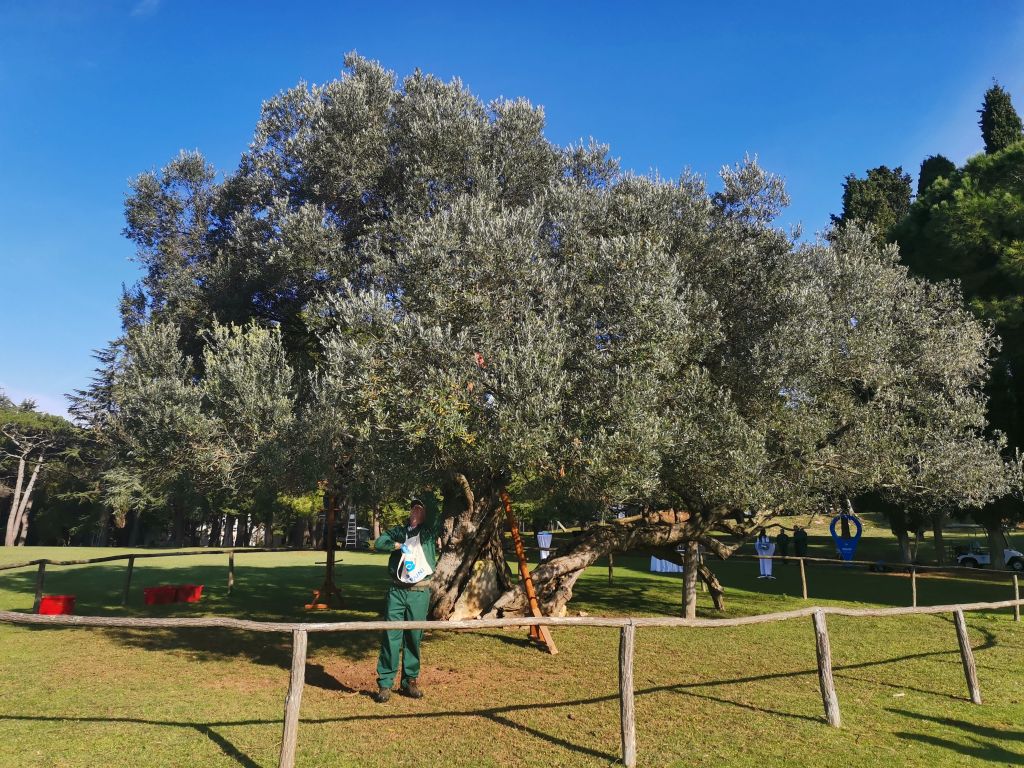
976,555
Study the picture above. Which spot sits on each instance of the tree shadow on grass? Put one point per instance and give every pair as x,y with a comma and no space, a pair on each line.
205,729
318,677
902,687
683,690
981,731
660,593
497,715
953,660
503,716
261,592
981,750
519,641
264,648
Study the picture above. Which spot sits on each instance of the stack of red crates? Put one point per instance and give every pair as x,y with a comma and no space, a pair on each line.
179,593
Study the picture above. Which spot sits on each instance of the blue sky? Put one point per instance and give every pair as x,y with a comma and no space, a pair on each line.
95,92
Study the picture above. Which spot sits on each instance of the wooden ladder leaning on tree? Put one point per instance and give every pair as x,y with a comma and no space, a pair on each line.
541,635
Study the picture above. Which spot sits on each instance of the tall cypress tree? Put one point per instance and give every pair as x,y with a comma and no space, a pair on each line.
933,167
1000,124
881,198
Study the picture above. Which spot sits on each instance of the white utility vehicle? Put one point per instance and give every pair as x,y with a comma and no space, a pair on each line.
975,558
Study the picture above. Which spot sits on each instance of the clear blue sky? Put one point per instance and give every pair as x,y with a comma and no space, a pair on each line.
92,93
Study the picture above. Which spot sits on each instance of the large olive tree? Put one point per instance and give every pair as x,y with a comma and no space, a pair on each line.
469,304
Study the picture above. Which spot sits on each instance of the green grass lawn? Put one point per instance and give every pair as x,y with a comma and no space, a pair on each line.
741,696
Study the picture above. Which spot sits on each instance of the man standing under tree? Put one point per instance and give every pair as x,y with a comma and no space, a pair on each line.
782,544
800,541
413,558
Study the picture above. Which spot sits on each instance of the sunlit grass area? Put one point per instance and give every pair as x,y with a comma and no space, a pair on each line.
741,696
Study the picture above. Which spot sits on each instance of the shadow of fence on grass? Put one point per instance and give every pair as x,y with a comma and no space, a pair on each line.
504,716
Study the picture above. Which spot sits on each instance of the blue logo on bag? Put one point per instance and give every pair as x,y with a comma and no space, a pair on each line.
410,565
405,549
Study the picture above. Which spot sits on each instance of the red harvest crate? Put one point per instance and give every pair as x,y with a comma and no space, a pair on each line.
159,595
57,604
189,593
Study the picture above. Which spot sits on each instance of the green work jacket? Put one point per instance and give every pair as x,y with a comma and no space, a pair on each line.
428,532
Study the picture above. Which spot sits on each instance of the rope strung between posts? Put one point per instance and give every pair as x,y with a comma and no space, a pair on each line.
627,643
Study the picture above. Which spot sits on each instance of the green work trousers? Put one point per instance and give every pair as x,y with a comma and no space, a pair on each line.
402,605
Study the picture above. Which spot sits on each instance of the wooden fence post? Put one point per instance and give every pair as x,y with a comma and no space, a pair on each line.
611,566
825,681
627,640
913,587
967,656
1016,596
231,571
293,700
803,577
690,581
40,577
128,580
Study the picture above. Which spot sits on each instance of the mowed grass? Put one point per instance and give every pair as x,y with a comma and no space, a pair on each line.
704,697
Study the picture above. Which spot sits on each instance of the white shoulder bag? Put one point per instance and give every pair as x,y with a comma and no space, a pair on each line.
413,567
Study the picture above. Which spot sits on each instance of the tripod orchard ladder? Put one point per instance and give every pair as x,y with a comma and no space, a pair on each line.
539,634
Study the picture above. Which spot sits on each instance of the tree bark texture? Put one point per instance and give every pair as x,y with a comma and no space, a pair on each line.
555,577
473,524
471,537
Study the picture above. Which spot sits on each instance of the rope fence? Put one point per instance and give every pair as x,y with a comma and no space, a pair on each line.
991,576
131,558
913,568
627,642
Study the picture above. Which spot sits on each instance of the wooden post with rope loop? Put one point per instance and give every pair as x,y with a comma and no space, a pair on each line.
541,635
328,592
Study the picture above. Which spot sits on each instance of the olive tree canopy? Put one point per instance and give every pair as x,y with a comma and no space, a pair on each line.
464,303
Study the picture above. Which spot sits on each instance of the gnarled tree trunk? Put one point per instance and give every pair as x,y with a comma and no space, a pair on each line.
472,578
471,571
554,578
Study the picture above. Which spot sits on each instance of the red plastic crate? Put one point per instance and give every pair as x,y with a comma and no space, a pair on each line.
159,595
189,593
54,605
